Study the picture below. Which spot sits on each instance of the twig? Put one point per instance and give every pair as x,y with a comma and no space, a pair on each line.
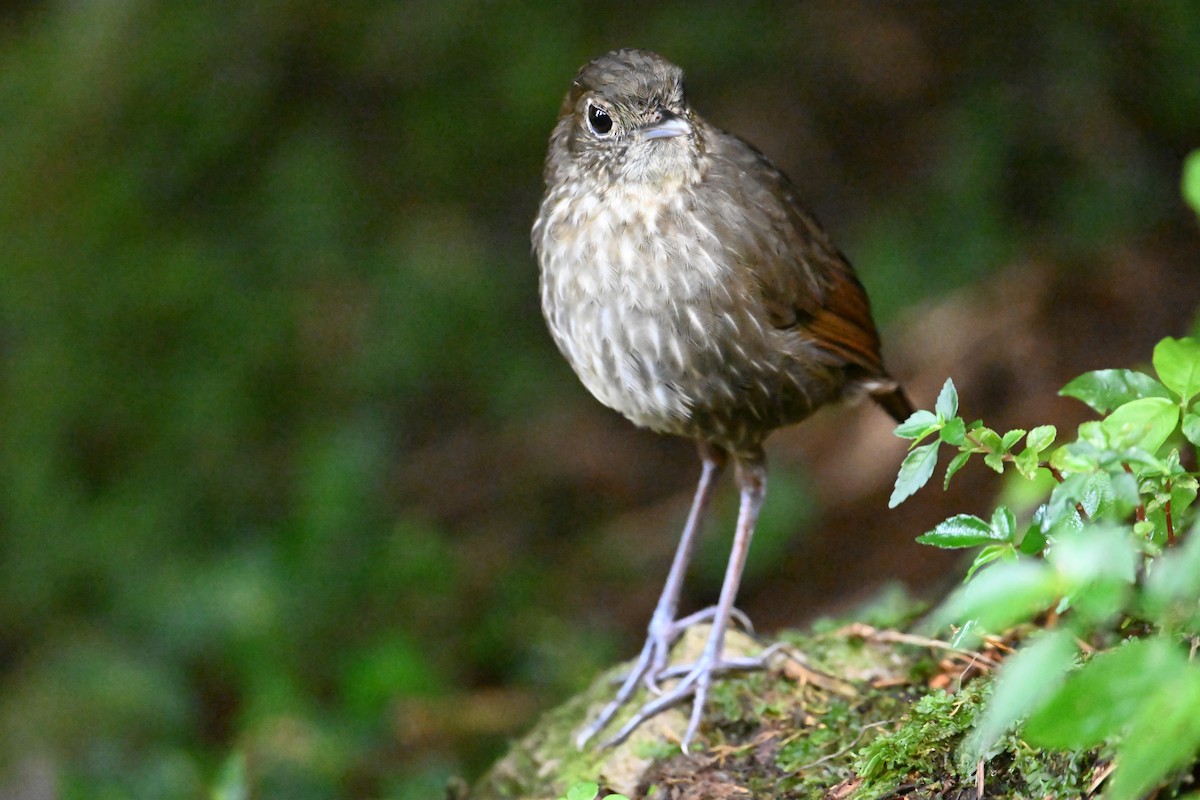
1140,513
845,749
981,448
868,632
1058,476
1101,774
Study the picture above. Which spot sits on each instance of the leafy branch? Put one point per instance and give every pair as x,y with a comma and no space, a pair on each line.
1098,551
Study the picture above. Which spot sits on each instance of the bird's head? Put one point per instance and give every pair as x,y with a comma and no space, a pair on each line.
626,120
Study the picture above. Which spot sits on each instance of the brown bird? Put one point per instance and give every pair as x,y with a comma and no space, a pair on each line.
692,292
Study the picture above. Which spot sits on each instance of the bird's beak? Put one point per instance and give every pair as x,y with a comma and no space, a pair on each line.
668,127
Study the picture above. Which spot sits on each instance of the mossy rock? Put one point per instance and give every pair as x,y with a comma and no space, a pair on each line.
889,724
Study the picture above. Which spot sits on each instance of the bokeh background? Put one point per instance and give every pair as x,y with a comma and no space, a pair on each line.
293,481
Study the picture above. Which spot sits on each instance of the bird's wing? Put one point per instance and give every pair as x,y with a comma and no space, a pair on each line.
803,281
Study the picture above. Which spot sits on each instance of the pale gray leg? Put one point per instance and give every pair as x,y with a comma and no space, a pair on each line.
752,483
663,629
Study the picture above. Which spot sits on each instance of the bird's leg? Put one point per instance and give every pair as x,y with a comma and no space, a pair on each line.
663,629
752,482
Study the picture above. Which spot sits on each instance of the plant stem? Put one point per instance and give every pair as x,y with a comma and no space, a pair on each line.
1167,512
1140,513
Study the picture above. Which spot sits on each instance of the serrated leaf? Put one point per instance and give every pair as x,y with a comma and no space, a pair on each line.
1177,362
989,439
1144,424
1024,683
1125,490
963,530
953,432
1010,438
1164,737
1041,437
1074,457
947,402
957,463
1004,525
914,472
1191,428
919,425
1027,462
1105,389
1103,696
1064,497
995,461
993,552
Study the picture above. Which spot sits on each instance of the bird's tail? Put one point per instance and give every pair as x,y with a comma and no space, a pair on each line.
891,397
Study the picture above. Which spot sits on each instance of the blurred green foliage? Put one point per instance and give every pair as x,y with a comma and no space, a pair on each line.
255,256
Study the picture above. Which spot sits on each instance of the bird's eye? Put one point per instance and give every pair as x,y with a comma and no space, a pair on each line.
599,120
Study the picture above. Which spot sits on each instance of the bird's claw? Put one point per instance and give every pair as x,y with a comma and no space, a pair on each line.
651,667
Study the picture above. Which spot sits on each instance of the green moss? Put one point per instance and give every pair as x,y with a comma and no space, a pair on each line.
787,733
922,744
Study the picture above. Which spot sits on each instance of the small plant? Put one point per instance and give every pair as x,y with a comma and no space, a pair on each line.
1111,553
589,791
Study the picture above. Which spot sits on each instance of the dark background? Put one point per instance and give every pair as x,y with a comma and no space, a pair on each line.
289,467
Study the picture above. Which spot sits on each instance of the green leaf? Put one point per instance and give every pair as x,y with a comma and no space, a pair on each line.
1096,569
583,791
989,439
1106,389
1125,494
957,463
1164,736
1003,595
1144,423
1177,362
1102,552
1041,437
919,425
953,432
1104,695
959,531
1010,438
1191,427
1004,525
1172,595
914,472
995,461
1024,683
231,781
1027,462
993,552
947,402
1190,183
1064,497
1033,542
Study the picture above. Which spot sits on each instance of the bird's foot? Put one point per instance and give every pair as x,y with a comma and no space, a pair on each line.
652,666
692,681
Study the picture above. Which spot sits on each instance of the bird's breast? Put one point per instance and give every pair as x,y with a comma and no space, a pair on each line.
640,296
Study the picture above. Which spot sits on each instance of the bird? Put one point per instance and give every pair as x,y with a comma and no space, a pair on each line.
692,292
